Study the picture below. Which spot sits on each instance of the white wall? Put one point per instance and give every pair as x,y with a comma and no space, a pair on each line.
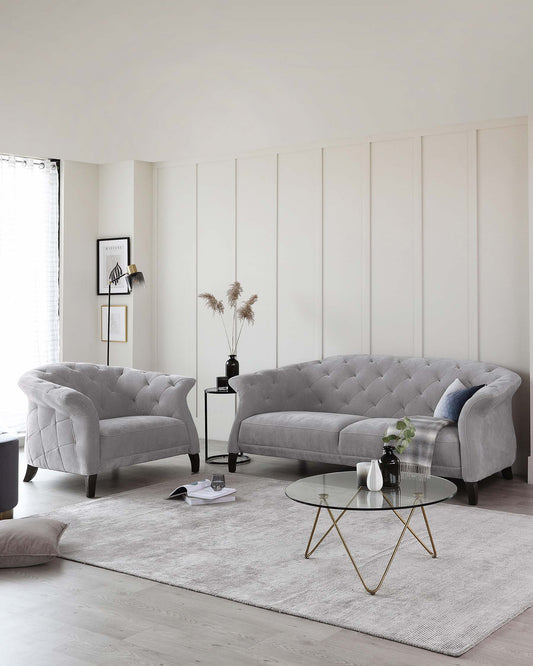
116,219
126,209
105,201
79,229
409,244
132,79
142,254
175,274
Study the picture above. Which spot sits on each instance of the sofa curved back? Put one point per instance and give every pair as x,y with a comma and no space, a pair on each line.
371,385
114,391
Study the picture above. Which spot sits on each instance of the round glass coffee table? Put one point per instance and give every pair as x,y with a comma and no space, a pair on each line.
339,491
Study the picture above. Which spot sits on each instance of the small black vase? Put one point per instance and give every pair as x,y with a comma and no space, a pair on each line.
232,366
390,467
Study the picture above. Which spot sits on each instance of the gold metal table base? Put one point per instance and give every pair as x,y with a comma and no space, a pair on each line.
335,525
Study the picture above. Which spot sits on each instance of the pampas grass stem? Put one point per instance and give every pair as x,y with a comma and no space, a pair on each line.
243,313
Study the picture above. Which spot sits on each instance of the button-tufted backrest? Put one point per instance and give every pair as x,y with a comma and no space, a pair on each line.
114,391
379,386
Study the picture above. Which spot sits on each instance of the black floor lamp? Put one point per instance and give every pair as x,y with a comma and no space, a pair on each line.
133,278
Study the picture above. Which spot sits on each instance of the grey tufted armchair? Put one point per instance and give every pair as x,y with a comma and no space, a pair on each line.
86,419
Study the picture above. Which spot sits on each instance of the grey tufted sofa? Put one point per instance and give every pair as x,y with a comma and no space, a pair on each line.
337,410
87,419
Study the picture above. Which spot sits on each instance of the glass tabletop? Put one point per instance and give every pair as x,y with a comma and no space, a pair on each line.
339,490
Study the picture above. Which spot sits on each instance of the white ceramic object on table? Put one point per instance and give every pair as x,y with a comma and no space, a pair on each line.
375,478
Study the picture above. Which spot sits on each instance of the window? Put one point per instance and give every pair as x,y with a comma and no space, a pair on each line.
29,279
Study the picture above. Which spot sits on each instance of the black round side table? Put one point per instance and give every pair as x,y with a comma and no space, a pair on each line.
221,459
9,475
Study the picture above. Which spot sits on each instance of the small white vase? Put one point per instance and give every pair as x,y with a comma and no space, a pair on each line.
375,478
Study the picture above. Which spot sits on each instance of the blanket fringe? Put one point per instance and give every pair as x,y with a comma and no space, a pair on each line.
411,470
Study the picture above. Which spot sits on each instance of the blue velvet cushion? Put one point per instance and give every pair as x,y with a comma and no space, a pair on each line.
451,403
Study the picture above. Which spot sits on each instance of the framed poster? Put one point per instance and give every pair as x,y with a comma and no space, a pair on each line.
112,258
118,324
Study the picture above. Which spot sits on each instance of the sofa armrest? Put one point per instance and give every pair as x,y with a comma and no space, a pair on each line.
486,430
275,390
61,418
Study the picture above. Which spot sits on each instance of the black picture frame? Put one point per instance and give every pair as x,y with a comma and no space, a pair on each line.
112,251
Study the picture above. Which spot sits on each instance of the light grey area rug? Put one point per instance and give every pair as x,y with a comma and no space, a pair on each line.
251,551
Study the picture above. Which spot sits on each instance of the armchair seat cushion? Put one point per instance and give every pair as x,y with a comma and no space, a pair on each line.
130,435
307,431
363,440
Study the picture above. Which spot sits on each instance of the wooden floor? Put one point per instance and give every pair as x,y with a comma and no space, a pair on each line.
68,613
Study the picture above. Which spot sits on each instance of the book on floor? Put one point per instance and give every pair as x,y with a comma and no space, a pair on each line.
181,491
192,501
202,493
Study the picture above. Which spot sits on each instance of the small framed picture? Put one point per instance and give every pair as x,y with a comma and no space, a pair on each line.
118,323
112,260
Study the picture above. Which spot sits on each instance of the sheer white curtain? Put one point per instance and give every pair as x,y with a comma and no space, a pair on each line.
29,283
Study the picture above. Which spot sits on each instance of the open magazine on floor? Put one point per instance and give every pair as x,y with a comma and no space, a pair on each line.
200,492
192,501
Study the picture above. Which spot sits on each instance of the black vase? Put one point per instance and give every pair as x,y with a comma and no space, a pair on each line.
390,468
232,366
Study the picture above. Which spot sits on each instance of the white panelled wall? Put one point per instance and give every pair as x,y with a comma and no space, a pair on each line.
103,201
413,244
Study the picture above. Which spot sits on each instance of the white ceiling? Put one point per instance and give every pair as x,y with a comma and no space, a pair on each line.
107,80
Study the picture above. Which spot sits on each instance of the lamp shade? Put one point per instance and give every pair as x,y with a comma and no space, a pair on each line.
134,277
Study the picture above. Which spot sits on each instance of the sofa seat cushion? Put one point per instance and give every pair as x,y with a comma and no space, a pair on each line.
363,440
128,435
305,431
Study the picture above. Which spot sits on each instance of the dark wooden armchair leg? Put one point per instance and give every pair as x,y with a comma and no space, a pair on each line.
507,473
195,462
232,462
90,485
471,489
31,471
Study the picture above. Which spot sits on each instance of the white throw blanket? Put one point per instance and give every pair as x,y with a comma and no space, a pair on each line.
417,458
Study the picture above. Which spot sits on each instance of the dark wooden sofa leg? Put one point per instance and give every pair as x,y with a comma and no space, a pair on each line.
232,462
507,473
471,489
195,462
31,471
90,485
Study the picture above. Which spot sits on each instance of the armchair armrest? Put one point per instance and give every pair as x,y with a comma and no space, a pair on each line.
62,423
55,396
486,430
160,394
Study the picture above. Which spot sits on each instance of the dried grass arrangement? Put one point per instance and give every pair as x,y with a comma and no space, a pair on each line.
242,312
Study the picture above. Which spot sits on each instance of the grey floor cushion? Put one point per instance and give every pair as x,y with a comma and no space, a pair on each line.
29,541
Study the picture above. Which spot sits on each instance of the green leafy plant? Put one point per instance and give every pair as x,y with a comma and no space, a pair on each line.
405,435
